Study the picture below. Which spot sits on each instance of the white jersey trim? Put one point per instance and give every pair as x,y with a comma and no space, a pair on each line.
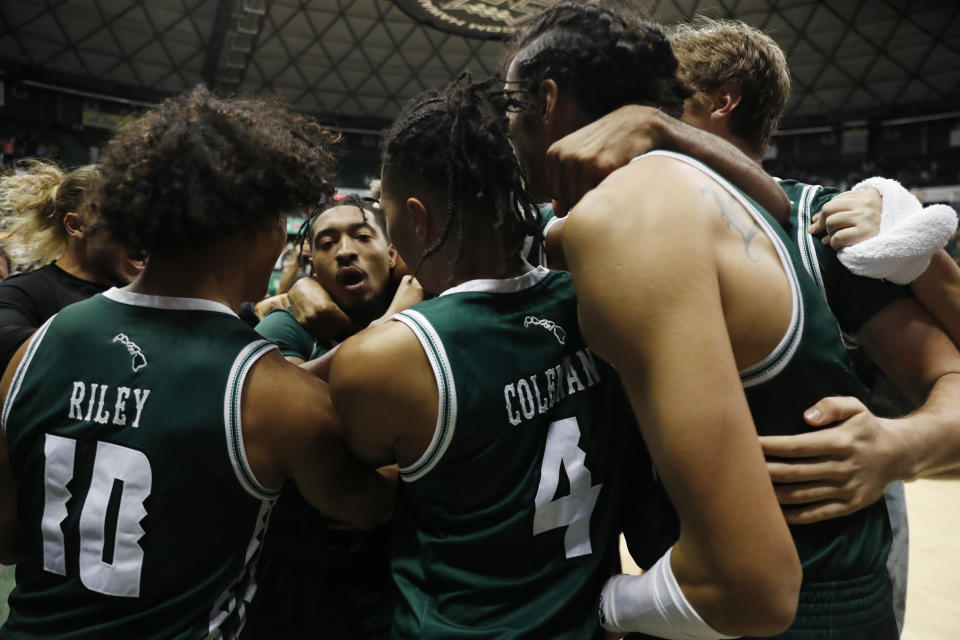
233,423
21,371
781,355
808,252
446,390
504,285
232,601
166,302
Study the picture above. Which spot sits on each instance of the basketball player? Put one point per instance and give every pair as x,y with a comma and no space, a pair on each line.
148,430
314,579
353,261
665,292
508,432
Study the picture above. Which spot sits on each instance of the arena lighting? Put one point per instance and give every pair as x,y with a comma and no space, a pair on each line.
803,130
914,119
475,18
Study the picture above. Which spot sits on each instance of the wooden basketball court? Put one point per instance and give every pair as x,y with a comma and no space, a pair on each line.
933,589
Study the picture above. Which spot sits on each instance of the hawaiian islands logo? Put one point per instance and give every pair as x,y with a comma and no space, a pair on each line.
551,326
139,360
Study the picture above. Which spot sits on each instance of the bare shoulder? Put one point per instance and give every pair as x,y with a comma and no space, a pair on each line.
384,390
283,410
273,382
373,356
649,209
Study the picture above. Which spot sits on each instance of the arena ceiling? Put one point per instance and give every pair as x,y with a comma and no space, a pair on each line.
354,62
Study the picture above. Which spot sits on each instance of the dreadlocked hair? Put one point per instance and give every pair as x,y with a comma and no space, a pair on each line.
605,57
456,140
199,167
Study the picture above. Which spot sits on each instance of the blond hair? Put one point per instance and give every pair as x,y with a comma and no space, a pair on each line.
714,52
35,202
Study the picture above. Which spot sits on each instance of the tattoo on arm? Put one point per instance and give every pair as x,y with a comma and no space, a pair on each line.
746,229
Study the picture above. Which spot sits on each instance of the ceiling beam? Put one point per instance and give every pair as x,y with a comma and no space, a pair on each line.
222,21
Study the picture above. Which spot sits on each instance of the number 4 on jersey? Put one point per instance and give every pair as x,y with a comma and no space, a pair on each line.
574,510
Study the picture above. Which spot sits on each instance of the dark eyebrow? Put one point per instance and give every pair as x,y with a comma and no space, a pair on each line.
353,228
359,225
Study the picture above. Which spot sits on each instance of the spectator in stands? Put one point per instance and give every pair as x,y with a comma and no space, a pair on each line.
47,224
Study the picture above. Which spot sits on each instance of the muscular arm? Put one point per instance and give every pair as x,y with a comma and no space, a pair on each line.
938,290
387,417
579,161
927,441
655,312
912,349
835,471
291,430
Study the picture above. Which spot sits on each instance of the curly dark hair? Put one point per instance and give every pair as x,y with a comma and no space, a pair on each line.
606,56
199,166
456,140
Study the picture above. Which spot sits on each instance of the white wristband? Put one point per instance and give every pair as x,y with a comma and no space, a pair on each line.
909,235
652,603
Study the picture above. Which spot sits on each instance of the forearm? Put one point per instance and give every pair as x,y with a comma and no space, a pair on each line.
929,438
938,291
731,163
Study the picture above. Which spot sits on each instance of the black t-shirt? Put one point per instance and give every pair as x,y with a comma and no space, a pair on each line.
27,300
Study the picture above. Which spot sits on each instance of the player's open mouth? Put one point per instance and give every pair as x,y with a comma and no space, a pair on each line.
351,278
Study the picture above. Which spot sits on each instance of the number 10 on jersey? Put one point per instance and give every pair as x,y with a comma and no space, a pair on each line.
120,476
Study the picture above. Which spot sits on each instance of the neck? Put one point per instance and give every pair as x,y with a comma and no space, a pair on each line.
72,262
485,265
207,273
748,149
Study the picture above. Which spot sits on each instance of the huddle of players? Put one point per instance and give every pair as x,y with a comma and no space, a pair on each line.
509,405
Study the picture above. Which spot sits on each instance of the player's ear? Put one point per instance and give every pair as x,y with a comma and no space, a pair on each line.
726,98
549,100
74,224
421,217
392,254
560,111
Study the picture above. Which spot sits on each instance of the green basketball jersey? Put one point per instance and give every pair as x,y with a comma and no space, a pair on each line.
282,329
314,579
846,591
507,526
853,299
140,516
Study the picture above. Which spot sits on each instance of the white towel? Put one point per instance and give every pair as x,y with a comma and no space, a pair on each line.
909,235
